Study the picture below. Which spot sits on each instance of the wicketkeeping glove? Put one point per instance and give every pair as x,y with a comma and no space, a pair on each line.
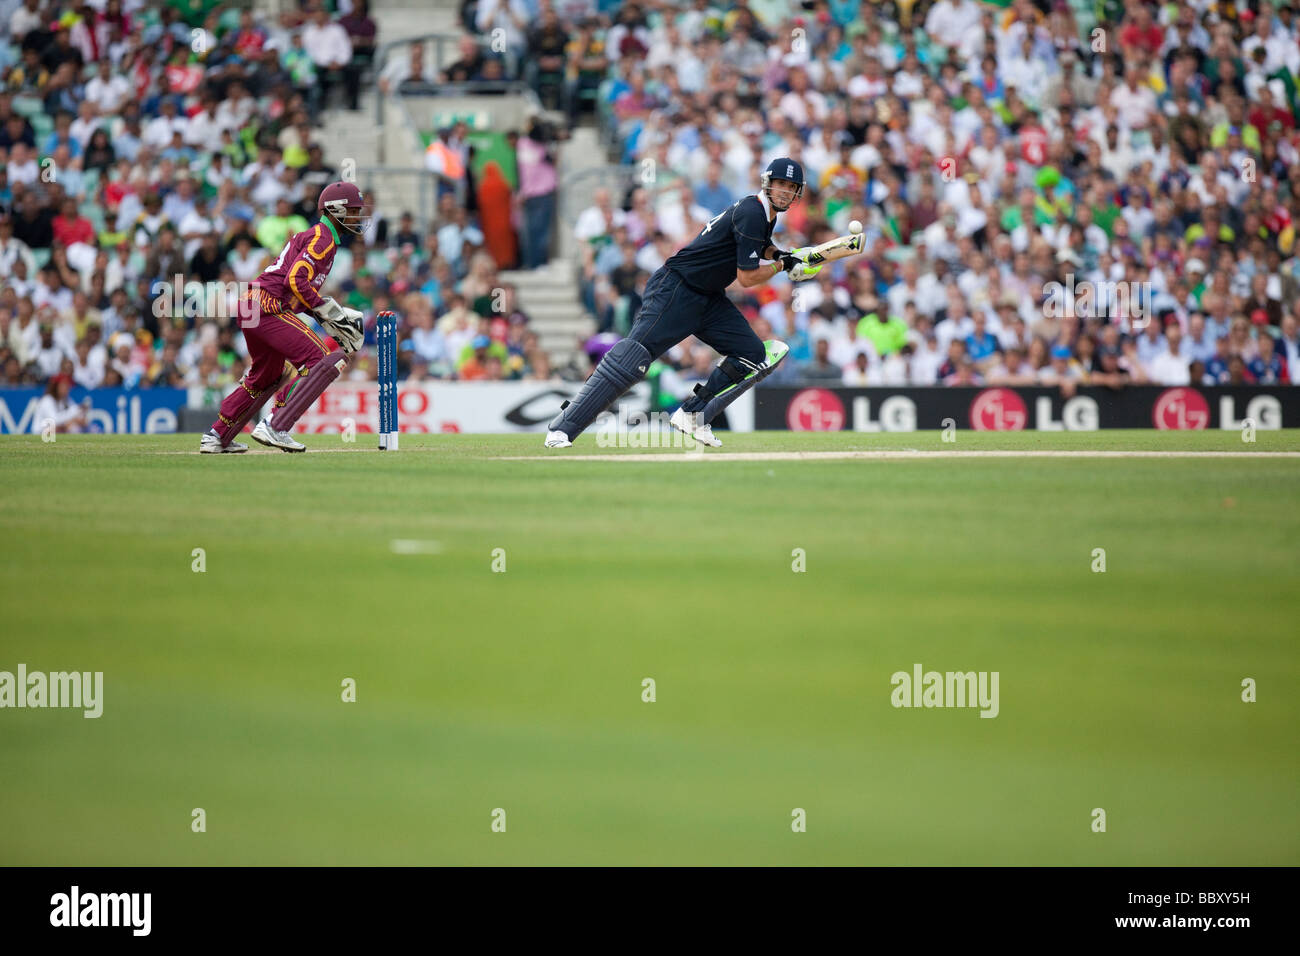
342,323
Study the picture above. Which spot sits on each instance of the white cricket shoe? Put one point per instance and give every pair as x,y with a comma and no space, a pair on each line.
689,422
210,444
558,440
265,434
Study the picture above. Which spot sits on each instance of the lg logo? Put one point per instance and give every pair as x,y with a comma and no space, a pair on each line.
1181,408
815,410
998,409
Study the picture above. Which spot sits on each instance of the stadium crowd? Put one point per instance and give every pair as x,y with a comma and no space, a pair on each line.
1053,192
146,148
1003,159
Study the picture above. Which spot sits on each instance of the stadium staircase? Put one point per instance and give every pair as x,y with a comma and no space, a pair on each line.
356,135
549,295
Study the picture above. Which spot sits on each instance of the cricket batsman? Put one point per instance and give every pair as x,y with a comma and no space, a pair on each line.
686,297
277,334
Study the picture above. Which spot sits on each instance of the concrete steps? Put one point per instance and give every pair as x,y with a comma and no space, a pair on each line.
356,136
348,135
550,297
582,151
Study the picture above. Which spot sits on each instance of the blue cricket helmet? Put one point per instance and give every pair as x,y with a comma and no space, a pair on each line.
783,167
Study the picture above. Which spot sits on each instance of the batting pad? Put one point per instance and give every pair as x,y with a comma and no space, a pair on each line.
776,352
319,377
622,367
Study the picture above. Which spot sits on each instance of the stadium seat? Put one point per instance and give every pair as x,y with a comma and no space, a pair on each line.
95,213
28,106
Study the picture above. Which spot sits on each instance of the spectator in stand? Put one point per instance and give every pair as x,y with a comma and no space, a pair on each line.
545,65
470,65
56,411
33,225
1288,342
966,375
458,240
13,250
507,19
859,372
1267,367
274,231
585,65
1116,166
1012,368
886,333
71,227
821,368
327,43
494,203
100,154
426,342
405,234
538,181
108,91
361,31
409,73
712,194
1170,366
982,346
250,39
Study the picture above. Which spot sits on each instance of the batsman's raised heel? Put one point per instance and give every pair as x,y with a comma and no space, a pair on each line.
689,423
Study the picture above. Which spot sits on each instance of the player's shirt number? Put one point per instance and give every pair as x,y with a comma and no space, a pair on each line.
275,266
714,221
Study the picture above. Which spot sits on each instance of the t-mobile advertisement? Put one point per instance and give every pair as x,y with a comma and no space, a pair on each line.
107,410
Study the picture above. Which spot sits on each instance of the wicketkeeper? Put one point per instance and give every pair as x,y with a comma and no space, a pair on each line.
281,343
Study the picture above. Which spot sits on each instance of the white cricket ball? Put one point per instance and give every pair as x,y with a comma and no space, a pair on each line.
855,227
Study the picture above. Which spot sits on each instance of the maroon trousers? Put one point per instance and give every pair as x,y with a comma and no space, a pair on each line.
274,338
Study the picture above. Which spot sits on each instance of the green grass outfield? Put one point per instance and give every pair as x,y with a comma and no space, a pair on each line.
522,690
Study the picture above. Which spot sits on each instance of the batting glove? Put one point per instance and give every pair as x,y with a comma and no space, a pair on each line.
803,271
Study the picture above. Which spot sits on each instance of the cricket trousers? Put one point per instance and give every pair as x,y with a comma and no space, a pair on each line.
274,337
671,311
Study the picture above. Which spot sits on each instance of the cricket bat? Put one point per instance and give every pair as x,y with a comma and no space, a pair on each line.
837,248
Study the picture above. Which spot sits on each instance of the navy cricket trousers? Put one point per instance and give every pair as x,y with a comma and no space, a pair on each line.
671,310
